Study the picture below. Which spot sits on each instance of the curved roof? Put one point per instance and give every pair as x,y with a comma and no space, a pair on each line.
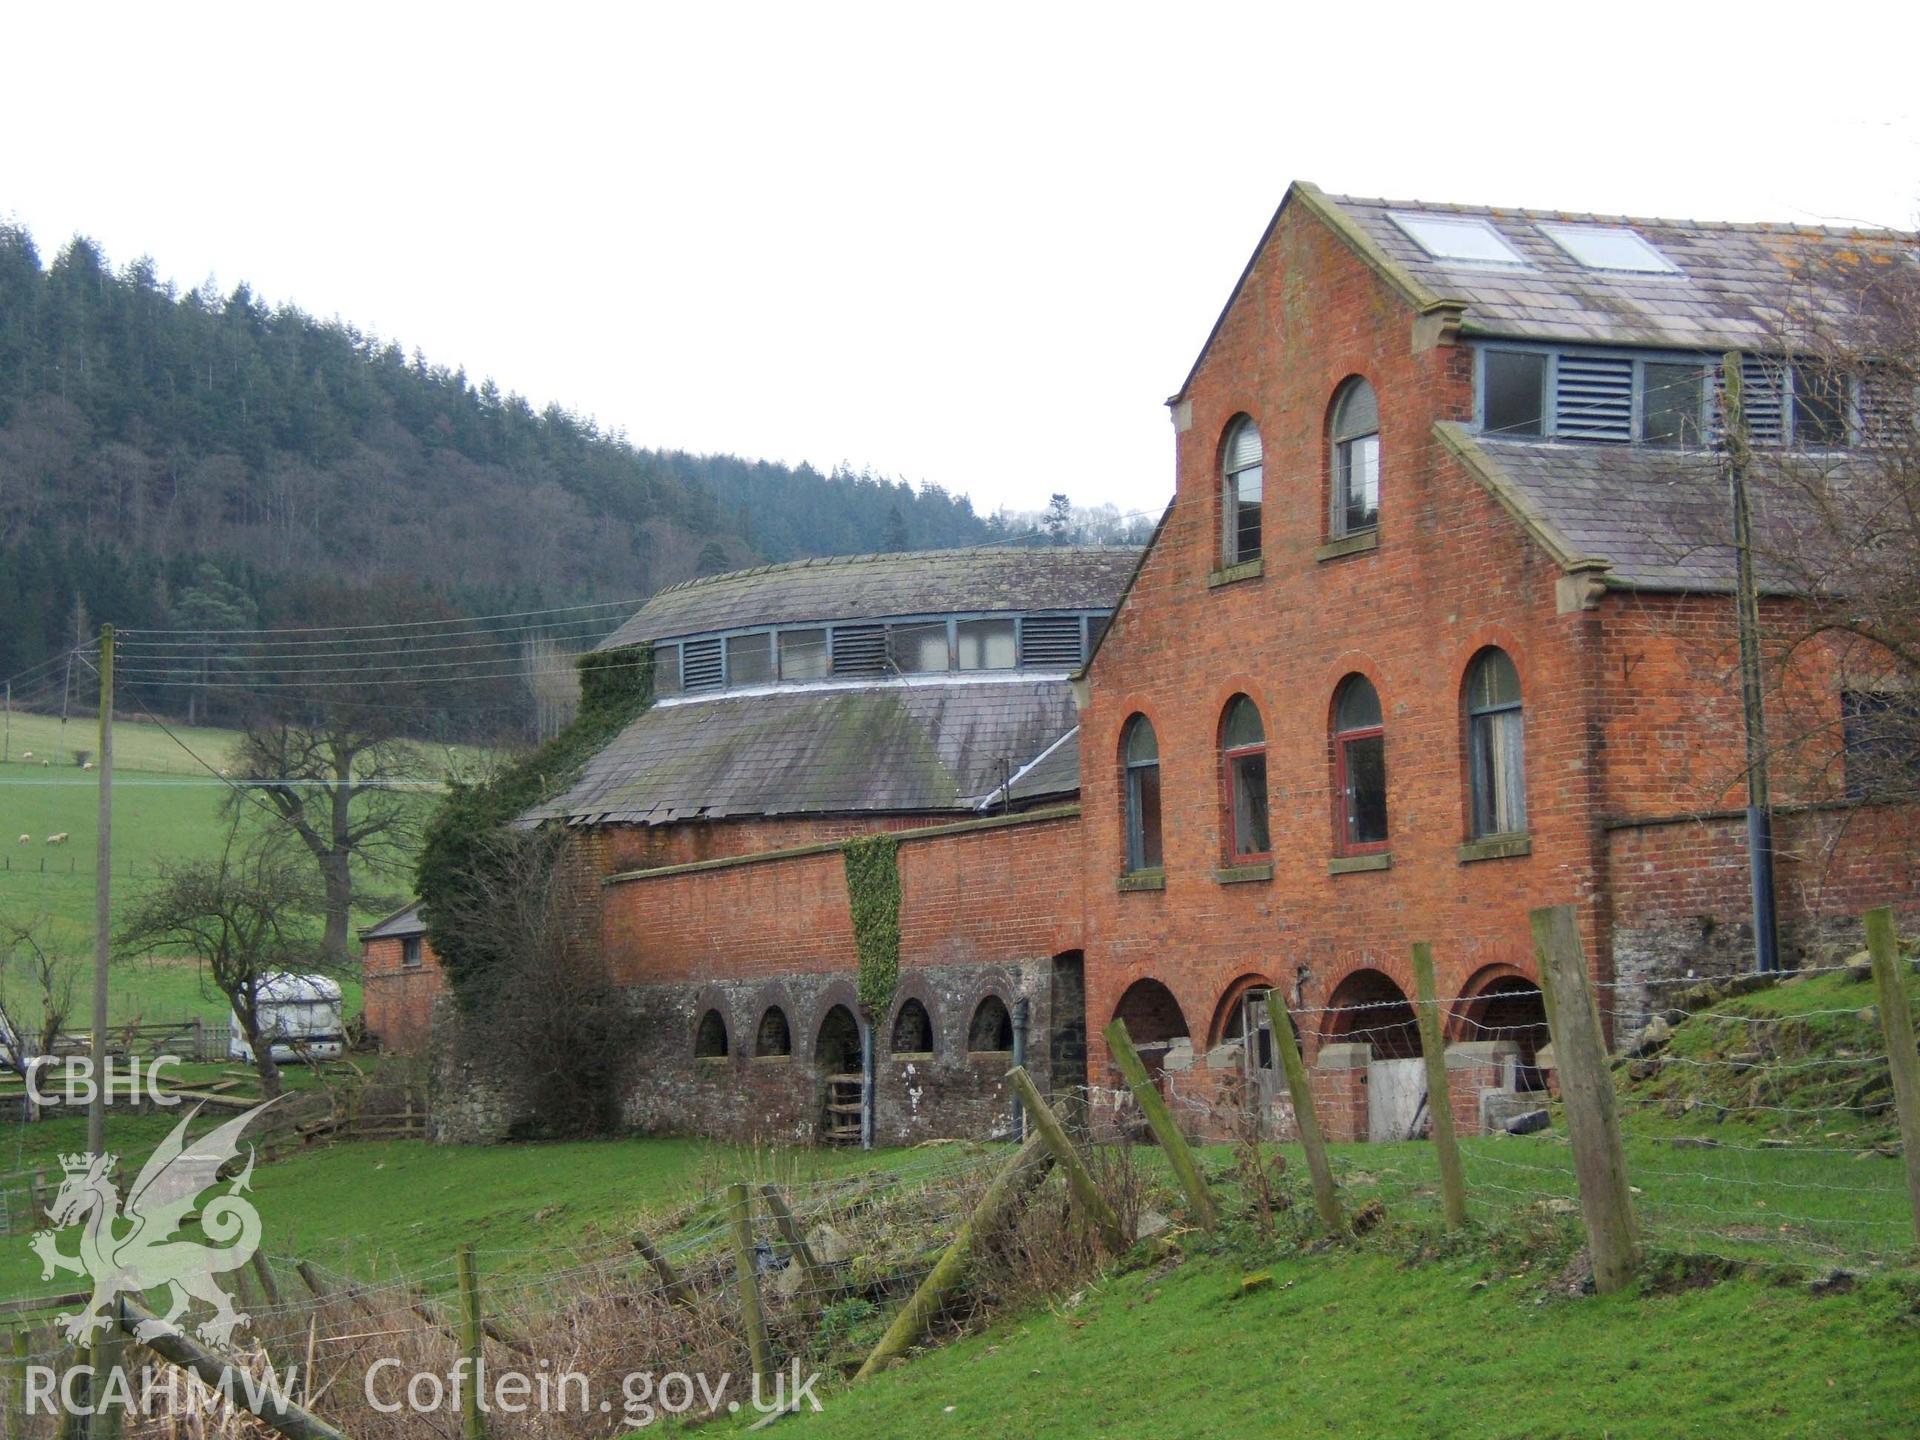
876,587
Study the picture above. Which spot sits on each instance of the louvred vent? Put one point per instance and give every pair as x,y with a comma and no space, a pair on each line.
860,650
1593,398
700,665
1050,642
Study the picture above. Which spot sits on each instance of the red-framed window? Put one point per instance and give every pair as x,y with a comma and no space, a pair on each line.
1359,768
1243,763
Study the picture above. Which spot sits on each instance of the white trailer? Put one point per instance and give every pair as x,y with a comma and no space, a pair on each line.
302,1014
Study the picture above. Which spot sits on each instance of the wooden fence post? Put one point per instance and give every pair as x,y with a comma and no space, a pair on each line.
1027,1168
677,1289
473,1423
223,1375
17,1384
264,1273
759,1347
1160,1121
1079,1179
1325,1199
796,1242
1453,1184
1586,1087
1896,1020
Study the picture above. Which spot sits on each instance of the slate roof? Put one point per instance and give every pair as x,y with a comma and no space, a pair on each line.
1658,519
833,749
1054,774
853,587
403,922
1732,283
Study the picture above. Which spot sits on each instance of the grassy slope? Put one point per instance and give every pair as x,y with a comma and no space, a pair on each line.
1363,1346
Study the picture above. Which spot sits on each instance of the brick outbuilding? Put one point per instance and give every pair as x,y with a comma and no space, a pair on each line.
401,979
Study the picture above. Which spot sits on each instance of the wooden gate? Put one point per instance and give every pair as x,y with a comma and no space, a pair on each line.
1395,1090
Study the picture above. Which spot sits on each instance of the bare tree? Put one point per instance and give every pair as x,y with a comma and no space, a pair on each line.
244,918
538,987
27,949
342,788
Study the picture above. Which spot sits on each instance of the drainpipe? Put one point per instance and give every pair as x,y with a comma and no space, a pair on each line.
1021,1009
866,1085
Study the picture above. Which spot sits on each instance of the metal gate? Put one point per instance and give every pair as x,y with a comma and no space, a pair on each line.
1395,1090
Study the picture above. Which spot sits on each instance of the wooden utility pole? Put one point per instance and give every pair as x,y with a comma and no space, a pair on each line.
102,903
1453,1183
1586,1085
6,745
1896,1019
1160,1121
1325,1199
1766,938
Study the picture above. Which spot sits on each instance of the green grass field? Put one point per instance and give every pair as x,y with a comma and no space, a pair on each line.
166,809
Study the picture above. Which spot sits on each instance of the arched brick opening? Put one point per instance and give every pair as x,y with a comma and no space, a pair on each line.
991,1029
710,1040
1368,1008
1505,1006
912,1029
836,1049
1154,1021
773,1037
1230,1015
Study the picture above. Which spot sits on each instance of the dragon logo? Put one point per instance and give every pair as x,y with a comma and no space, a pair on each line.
133,1247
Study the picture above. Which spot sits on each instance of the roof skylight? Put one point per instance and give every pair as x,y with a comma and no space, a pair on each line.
1463,239
1610,247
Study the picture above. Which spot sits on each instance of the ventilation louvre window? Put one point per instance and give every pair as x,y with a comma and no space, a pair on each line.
700,665
1763,393
1593,398
860,650
1050,642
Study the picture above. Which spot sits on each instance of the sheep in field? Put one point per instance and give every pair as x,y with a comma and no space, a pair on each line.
26,839
59,839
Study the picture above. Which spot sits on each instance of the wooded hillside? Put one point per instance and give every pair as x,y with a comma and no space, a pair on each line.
157,446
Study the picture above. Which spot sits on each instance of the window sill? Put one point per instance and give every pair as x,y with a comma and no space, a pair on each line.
1249,873
1356,864
711,1060
771,1059
910,1055
994,1055
1496,847
1349,545
1141,880
1245,570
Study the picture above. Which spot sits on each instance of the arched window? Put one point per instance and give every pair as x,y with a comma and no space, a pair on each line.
1356,460
1141,755
1243,760
1360,766
1241,469
773,1037
992,1027
710,1041
1496,762
912,1030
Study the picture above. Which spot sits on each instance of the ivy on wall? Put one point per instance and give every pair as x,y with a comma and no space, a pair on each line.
873,898
468,839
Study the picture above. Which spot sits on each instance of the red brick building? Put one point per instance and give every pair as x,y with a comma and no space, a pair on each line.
401,978
1436,629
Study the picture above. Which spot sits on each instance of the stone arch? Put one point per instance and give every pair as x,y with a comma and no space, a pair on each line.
836,1041
774,1035
990,1029
710,1040
1368,1008
912,1032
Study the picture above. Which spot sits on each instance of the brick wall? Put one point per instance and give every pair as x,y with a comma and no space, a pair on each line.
400,997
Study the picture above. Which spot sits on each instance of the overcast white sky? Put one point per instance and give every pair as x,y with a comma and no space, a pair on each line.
971,244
